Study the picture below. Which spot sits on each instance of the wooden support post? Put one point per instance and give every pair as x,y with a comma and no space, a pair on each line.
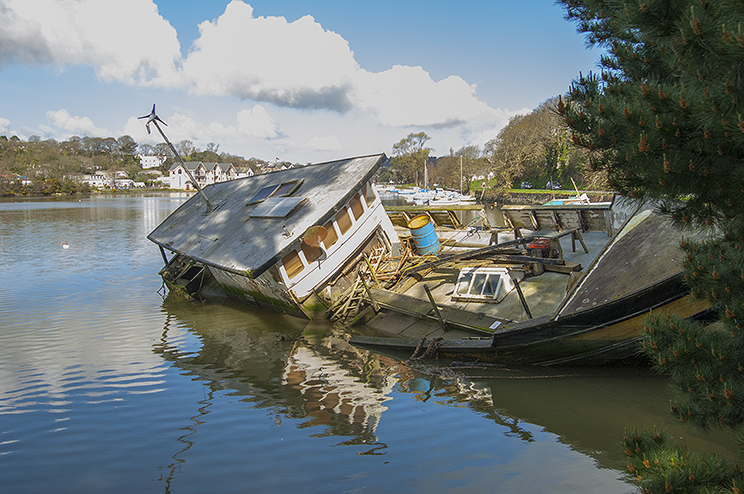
521,298
575,235
162,253
375,307
556,244
436,309
556,221
494,237
372,271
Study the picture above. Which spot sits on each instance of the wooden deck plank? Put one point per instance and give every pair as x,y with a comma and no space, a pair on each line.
479,323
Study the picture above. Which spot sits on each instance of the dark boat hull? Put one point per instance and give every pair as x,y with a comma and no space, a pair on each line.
600,336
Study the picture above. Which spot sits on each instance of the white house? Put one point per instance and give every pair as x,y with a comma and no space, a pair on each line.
150,161
98,181
204,174
243,171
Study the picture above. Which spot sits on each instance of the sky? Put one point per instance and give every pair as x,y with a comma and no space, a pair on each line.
298,81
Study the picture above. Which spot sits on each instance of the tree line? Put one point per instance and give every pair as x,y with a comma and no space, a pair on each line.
533,147
42,167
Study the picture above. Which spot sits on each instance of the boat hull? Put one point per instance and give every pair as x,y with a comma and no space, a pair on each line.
605,335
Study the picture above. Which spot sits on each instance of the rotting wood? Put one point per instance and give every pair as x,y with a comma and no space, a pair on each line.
455,317
375,306
417,350
432,350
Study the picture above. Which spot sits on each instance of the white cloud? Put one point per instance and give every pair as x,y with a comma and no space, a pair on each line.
293,75
75,125
268,59
257,122
126,41
248,127
301,65
408,96
4,124
325,143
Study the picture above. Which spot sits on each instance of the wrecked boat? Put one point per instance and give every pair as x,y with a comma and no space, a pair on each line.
288,241
529,298
556,284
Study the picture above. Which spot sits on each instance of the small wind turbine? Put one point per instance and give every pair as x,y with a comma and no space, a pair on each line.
152,118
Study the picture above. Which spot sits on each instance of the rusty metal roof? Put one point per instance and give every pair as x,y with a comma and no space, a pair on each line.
232,238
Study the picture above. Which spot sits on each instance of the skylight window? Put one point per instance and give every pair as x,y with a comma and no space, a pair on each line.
262,194
284,189
287,188
276,207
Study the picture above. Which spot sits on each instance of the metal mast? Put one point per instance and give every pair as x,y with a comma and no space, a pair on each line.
152,118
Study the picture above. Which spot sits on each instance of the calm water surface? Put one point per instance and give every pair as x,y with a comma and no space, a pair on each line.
107,387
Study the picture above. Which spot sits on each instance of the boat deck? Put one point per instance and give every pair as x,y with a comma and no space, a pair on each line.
411,314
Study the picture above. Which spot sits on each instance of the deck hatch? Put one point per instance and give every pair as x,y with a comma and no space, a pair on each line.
483,285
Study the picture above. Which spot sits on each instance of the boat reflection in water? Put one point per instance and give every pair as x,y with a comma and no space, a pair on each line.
308,372
302,372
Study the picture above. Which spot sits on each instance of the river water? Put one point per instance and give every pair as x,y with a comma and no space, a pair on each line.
106,386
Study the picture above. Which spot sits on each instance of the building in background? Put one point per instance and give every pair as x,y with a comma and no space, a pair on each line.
147,162
204,173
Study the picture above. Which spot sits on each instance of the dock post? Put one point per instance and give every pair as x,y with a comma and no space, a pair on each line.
436,309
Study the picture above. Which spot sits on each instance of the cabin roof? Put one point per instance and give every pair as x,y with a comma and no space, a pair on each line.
238,237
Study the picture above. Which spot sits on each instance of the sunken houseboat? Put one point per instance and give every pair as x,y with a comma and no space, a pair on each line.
287,240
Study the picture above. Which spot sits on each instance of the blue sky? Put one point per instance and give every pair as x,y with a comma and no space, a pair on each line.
301,81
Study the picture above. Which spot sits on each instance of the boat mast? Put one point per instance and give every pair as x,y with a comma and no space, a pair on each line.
425,176
154,119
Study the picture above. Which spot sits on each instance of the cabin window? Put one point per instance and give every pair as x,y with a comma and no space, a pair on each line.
343,220
369,194
292,264
356,206
311,253
331,236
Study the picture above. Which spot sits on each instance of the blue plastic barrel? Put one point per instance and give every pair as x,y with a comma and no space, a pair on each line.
422,230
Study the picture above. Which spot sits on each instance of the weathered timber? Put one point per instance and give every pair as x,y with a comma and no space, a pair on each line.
448,207
478,323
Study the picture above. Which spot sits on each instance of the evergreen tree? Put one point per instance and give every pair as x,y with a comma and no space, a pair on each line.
665,118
